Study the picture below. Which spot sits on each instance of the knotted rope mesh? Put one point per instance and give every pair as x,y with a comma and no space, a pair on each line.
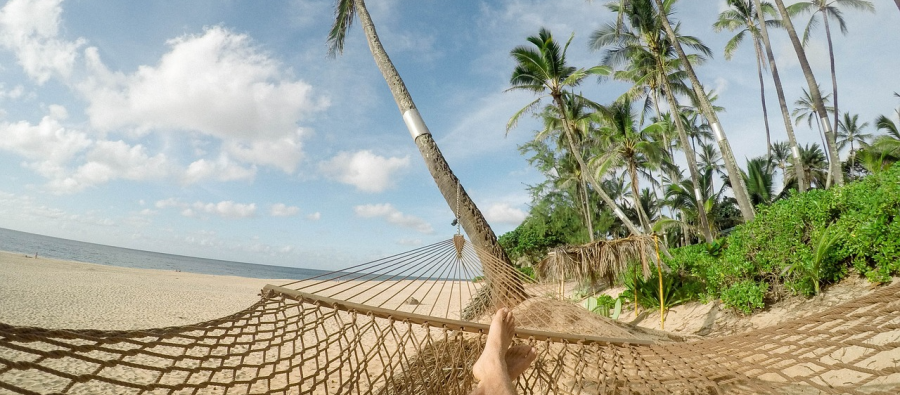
415,323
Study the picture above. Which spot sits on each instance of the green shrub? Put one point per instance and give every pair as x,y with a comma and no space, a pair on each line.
745,296
528,271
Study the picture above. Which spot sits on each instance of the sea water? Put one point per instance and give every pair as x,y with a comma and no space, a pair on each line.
52,247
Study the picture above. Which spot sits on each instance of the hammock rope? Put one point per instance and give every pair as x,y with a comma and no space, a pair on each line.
374,329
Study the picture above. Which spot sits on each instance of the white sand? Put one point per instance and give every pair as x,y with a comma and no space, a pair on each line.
52,293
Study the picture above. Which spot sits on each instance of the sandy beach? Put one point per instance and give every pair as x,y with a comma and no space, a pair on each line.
57,294
53,293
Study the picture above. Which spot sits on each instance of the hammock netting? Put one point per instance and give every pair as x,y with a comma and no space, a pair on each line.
415,323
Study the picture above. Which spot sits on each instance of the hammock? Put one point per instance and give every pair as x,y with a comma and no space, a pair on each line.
415,322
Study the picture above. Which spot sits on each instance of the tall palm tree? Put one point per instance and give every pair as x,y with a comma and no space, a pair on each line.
468,214
806,111
643,41
543,70
850,132
581,119
831,146
741,16
829,9
781,153
627,146
779,90
734,173
711,160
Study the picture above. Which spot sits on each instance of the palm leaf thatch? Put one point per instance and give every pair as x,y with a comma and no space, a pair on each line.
602,259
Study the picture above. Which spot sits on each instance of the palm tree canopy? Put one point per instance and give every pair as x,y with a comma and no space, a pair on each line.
344,12
543,69
741,17
850,132
806,108
829,9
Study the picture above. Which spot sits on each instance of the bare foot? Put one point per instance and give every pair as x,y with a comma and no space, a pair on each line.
518,359
492,360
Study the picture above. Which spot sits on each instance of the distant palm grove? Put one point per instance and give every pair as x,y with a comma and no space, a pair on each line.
657,160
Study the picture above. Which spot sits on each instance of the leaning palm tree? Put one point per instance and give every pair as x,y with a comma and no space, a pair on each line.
741,17
467,213
831,146
829,9
543,70
734,173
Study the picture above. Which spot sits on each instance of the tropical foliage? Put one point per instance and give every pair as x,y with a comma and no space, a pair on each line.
656,160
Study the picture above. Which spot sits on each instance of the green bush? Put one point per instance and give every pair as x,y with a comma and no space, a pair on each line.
803,242
528,271
745,296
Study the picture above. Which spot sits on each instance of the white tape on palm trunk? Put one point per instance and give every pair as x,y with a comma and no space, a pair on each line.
796,152
619,213
825,125
697,194
718,131
414,123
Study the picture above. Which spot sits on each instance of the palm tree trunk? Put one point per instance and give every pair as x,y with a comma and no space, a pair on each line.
833,75
734,173
570,138
788,126
470,217
762,96
689,155
636,197
587,207
898,4
835,163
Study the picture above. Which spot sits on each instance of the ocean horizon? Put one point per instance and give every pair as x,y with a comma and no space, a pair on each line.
53,247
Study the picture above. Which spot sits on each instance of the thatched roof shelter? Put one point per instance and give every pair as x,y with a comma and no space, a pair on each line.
602,259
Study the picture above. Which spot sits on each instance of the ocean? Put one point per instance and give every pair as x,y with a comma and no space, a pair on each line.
52,247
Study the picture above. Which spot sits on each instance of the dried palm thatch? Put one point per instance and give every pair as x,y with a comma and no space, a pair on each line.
602,259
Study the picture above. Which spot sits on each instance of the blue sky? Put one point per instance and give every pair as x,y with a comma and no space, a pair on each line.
221,129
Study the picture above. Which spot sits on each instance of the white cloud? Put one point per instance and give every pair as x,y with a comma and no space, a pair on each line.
364,170
393,216
503,213
111,160
314,216
282,210
217,83
48,143
410,242
224,209
283,153
227,209
29,28
222,169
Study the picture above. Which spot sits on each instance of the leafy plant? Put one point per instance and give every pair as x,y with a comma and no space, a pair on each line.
745,296
676,289
605,305
812,271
